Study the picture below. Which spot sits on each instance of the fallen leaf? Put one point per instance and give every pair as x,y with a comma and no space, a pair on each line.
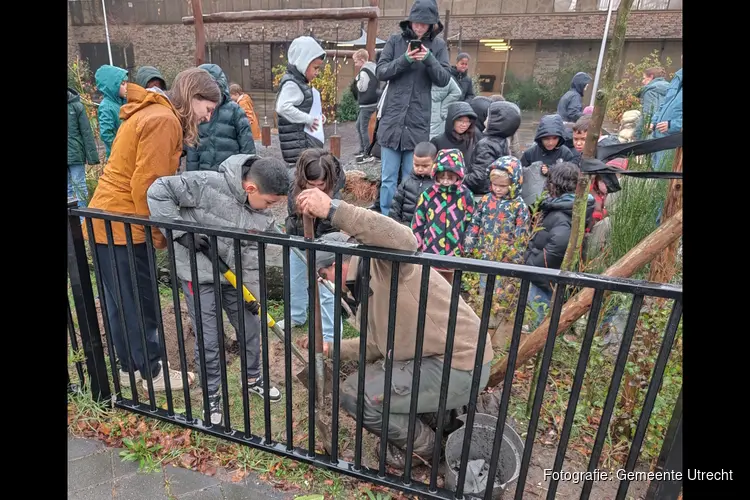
104,429
210,471
238,475
310,497
329,482
187,460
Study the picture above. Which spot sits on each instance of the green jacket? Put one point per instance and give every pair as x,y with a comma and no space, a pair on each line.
81,143
108,80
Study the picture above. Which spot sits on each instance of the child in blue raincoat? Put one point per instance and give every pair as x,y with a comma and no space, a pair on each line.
112,82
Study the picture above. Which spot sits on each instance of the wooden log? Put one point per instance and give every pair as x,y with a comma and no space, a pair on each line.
335,145
200,34
339,14
663,266
579,305
372,32
265,135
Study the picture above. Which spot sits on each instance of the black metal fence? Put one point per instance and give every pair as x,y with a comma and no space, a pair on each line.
102,387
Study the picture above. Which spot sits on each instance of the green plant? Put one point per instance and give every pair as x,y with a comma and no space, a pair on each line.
80,80
531,94
138,450
475,86
348,107
624,95
527,94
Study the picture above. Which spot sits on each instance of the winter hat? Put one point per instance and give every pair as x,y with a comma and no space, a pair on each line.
325,259
588,110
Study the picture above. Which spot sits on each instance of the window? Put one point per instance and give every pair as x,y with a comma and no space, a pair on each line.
96,55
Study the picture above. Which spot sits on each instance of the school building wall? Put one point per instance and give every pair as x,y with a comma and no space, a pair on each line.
542,39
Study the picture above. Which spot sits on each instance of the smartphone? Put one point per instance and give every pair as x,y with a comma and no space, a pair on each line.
415,45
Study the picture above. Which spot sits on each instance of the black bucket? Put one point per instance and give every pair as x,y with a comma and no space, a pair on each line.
482,439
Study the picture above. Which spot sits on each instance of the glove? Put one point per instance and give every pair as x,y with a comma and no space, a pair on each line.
201,242
253,307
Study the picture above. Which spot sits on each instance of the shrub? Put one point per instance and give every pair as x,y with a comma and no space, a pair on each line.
623,97
81,80
348,107
527,94
530,94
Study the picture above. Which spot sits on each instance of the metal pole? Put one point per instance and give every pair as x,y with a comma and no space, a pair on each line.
505,69
601,54
106,32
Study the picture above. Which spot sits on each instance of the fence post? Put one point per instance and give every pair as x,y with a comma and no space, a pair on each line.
83,298
670,459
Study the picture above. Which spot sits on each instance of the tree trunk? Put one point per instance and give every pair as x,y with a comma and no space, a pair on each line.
579,304
578,224
200,34
663,266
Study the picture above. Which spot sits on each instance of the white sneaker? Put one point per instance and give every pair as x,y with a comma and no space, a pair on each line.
175,380
281,324
125,378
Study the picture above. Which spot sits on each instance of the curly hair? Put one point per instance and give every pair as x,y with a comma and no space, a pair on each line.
316,164
562,179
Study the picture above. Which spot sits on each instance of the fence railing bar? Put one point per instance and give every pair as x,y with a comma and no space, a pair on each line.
219,301
502,413
198,326
388,365
288,348
338,262
159,320
242,338
74,345
445,380
575,391
363,317
418,348
263,292
103,306
653,390
312,284
541,385
120,311
459,263
614,388
178,324
474,392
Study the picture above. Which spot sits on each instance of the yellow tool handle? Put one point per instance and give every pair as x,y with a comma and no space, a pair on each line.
231,278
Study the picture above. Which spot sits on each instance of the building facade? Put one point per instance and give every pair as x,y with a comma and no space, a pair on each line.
542,34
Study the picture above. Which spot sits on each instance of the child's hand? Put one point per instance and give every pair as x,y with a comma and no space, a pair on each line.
662,127
545,169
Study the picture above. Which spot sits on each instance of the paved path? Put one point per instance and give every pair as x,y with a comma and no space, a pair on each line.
96,472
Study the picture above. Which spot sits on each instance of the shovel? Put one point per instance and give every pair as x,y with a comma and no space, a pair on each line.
249,297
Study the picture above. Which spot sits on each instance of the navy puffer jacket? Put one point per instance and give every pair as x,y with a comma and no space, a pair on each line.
227,133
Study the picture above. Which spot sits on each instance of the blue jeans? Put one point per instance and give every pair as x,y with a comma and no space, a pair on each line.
393,162
299,298
77,184
539,301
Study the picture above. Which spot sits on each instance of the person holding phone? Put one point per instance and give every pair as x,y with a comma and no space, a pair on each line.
411,62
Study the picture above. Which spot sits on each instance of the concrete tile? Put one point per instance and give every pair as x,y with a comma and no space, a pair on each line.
79,448
89,471
212,493
99,492
121,468
185,481
141,487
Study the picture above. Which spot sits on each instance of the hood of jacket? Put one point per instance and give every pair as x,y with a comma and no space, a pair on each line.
658,85
457,110
550,125
140,98
480,105
303,51
579,82
511,166
231,169
221,79
108,80
564,203
503,119
147,73
426,12
73,96
449,160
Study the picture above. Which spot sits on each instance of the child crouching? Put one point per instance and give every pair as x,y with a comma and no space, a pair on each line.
238,195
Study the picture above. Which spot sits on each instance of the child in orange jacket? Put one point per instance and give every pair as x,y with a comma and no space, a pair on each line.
246,103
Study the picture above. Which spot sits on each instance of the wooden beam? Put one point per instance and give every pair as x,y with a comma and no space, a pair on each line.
200,34
338,14
372,32
340,53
